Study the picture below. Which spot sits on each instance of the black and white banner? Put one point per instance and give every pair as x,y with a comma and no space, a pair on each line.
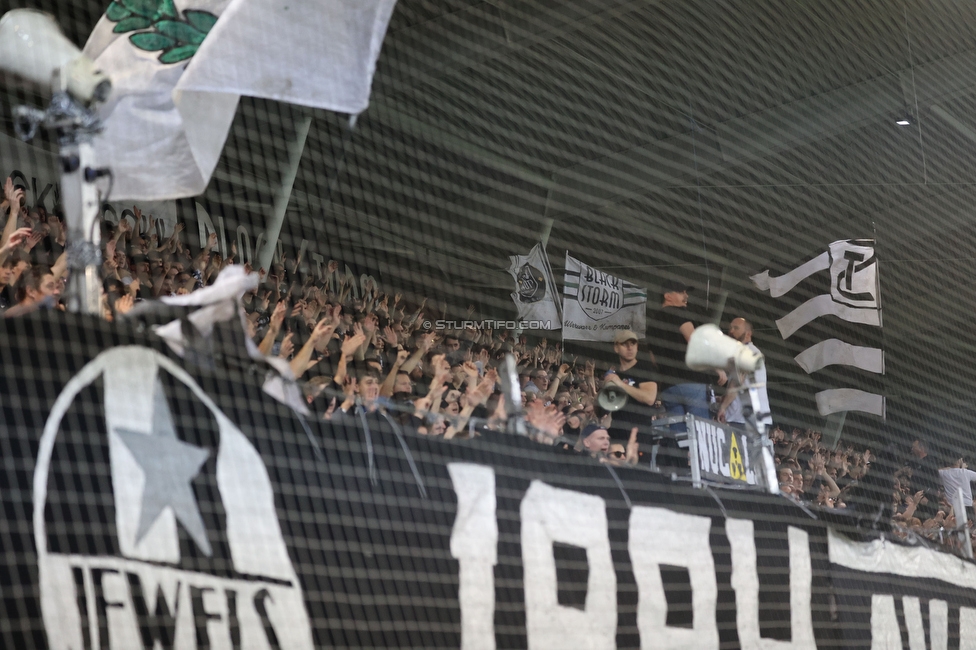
149,503
728,455
535,289
855,297
597,304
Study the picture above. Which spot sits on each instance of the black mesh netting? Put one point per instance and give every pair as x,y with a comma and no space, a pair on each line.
804,166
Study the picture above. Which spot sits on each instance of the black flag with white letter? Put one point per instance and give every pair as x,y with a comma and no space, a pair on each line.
854,296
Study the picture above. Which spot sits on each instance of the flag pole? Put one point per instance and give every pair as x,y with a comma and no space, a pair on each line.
296,147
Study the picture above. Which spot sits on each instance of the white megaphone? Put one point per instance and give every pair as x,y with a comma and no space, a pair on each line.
612,398
33,48
709,349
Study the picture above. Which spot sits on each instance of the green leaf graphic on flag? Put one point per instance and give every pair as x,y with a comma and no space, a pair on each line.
177,38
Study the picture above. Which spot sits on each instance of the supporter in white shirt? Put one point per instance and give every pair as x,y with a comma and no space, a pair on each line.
957,476
730,410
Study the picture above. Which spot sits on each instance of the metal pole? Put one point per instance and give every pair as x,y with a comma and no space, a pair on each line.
295,149
959,505
691,432
81,202
762,419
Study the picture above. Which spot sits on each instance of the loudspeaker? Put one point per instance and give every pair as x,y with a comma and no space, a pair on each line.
33,48
611,398
709,349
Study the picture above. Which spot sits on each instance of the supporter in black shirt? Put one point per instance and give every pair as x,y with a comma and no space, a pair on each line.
636,378
925,477
681,389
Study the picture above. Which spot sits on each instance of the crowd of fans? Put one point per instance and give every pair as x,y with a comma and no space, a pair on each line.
370,351
926,494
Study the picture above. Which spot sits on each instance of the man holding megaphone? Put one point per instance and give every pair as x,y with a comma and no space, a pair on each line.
636,380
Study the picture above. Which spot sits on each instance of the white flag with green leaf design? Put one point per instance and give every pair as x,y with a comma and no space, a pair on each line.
179,67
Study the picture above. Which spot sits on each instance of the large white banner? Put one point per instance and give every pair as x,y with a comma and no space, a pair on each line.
178,68
596,304
535,290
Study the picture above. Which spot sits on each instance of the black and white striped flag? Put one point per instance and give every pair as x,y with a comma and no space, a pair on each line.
855,297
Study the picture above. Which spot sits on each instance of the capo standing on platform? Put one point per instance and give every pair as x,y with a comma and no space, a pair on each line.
731,409
637,379
682,390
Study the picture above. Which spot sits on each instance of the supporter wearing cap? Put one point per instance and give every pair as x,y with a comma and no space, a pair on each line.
595,440
636,378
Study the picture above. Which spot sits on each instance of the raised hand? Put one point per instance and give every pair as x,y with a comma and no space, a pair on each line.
322,329
633,448
421,406
18,237
817,463
287,346
124,304
278,315
390,336
441,368
479,394
437,392
492,374
402,356
33,240
470,369
549,421
351,344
